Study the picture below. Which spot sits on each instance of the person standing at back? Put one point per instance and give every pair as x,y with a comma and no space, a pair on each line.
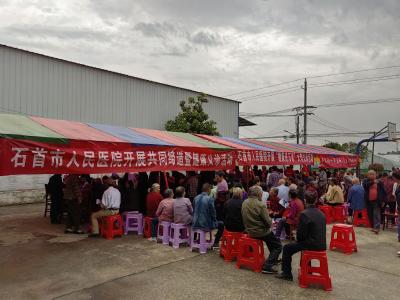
274,176
355,197
73,196
222,194
322,181
55,189
311,235
258,226
375,196
205,216
396,193
283,193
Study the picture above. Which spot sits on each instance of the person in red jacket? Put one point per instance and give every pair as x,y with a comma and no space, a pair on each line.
152,201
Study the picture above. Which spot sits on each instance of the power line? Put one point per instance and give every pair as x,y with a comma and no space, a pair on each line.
269,94
324,121
326,105
352,72
311,135
351,103
355,81
310,77
321,85
264,87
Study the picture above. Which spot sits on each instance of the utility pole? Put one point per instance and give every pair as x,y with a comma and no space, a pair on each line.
373,149
305,112
298,129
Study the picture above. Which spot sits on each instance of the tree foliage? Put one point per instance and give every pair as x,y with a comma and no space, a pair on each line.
379,168
192,118
349,147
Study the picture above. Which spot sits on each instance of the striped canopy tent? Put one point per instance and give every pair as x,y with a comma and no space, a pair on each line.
252,153
34,145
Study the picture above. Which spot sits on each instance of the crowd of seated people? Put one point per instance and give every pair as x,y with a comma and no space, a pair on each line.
248,199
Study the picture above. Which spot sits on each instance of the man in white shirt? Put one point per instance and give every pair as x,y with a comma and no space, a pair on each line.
110,204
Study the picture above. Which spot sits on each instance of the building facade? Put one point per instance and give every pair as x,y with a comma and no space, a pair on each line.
39,85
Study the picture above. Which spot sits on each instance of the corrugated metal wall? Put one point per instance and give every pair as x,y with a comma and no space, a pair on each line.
42,86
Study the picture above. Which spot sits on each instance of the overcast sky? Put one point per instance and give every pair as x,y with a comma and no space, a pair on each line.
227,46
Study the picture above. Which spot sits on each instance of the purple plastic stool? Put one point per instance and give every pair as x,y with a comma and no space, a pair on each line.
179,234
163,232
201,242
133,222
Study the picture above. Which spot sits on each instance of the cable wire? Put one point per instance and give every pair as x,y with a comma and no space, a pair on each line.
264,87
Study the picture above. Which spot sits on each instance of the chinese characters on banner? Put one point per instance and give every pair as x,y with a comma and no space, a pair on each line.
29,157
34,158
339,161
259,157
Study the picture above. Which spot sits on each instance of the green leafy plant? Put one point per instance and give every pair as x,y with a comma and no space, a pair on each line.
192,118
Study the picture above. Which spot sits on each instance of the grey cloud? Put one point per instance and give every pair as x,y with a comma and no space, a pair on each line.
160,30
207,38
60,32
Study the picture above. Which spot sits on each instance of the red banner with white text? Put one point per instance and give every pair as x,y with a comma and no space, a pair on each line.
85,157
336,162
82,157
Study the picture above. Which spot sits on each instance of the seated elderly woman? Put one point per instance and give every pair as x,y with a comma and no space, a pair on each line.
165,210
183,210
334,196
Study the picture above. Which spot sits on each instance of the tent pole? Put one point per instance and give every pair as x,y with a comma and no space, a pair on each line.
165,179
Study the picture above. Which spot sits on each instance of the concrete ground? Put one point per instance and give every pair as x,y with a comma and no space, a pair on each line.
37,261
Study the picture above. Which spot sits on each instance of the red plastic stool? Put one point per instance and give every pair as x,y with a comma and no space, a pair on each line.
250,254
343,238
147,227
230,245
309,274
112,226
363,220
339,213
327,210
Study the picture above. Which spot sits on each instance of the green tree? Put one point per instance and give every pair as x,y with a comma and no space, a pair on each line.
349,147
192,118
379,168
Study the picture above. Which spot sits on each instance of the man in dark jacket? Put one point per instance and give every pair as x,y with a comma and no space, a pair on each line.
311,235
233,211
375,197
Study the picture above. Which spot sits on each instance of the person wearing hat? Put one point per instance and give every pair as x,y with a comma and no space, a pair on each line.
109,203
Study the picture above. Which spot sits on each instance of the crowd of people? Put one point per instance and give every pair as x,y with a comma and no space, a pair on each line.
268,204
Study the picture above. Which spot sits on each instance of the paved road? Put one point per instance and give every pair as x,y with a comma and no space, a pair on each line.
39,262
